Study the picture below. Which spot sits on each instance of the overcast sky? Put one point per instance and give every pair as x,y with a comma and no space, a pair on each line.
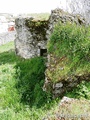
27,6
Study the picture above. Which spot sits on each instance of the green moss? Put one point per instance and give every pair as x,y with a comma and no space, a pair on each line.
38,27
36,24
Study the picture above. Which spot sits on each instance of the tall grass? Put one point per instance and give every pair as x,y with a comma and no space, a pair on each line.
21,81
70,42
30,80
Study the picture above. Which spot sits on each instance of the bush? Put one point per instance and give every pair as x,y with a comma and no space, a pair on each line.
30,75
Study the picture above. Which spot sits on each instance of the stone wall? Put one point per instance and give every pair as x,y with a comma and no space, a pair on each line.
31,37
62,16
32,34
59,88
7,37
31,41
63,84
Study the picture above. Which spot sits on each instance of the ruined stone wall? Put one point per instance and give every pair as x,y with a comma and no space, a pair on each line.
31,37
32,34
31,40
58,15
59,87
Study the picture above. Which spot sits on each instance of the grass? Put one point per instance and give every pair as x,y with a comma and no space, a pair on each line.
6,47
69,46
40,16
15,77
81,91
13,102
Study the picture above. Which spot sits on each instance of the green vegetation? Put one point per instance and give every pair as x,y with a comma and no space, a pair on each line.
40,16
82,91
38,26
77,110
6,47
30,79
70,45
21,81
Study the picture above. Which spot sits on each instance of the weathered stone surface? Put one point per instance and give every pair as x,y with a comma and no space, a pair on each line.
31,41
66,100
81,7
32,35
62,16
58,89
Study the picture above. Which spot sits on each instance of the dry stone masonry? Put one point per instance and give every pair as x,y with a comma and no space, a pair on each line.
31,37
32,34
31,40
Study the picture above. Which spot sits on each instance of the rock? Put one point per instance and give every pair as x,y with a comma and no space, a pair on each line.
59,88
66,100
58,85
31,40
32,35
81,7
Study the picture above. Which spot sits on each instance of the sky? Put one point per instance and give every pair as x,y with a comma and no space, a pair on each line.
27,6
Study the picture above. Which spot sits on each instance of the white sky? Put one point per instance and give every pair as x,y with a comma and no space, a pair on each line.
27,6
